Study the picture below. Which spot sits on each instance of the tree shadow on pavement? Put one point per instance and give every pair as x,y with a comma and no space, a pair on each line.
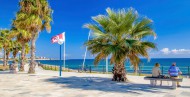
103,84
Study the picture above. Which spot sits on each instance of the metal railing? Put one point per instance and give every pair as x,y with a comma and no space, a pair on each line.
102,69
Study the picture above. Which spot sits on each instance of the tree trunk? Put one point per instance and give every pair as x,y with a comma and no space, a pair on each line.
4,58
7,57
119,73
32,63
14,59
22,57
136,70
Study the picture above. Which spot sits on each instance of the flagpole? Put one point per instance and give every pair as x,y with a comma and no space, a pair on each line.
85,53
60,38
60,67
64,55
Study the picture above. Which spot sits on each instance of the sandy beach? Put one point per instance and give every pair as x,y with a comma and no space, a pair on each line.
46,83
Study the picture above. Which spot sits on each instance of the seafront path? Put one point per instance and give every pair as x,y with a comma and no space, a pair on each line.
46,83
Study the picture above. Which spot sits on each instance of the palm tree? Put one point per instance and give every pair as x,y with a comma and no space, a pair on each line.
23,37
122,35
23,57
33,16
5,42
9,48
15,49
18,47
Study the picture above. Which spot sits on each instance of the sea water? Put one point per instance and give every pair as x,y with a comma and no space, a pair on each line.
144,67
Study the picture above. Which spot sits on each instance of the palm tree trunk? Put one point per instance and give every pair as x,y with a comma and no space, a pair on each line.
32,63
119,73
22,57
4,58
7,57
136,70
14,59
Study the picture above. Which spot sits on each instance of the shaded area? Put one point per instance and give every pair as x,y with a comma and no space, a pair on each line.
103,84
185,87
8,72
5,72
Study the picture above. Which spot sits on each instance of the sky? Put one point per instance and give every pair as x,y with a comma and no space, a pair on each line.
171,23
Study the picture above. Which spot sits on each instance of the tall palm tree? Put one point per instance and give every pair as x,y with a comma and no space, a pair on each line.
122,35
23,37
23,57
5,42
34,16
9,48
15,49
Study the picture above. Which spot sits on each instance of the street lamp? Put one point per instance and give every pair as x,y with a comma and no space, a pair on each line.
19,63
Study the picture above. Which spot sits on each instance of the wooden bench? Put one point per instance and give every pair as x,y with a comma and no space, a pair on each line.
173,80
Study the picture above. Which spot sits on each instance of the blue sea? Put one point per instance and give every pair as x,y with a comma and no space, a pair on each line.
144,67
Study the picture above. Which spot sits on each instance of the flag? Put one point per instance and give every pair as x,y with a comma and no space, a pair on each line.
59,37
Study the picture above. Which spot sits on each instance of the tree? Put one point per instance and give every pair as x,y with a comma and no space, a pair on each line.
18,47
23,37
15,49
122,35
34,16
9,48
5,42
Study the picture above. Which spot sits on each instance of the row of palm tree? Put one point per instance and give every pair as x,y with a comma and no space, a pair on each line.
121,35
33,17
10,45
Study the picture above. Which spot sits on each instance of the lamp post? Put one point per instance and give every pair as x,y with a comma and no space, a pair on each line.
19,63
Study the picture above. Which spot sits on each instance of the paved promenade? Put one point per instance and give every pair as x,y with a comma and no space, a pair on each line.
47,84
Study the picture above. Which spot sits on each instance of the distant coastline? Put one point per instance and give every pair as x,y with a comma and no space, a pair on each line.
29,59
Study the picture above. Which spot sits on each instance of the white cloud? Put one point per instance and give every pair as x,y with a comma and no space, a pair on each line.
181,51
165,50
175,51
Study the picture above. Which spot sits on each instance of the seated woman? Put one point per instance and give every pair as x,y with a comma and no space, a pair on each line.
156,70
156,73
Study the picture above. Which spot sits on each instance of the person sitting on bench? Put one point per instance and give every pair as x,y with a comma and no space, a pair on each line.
174,72
156,72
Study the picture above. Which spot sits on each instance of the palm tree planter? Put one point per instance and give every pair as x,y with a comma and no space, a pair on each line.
120,34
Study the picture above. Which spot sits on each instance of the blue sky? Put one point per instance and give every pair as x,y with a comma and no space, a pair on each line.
171,23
